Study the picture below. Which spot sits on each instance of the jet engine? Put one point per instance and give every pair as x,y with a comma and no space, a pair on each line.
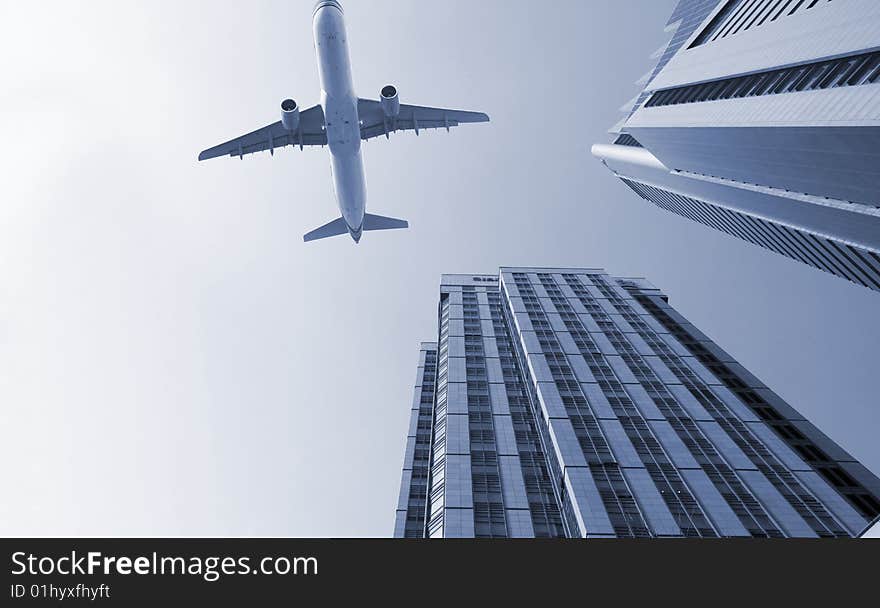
290,115
390,101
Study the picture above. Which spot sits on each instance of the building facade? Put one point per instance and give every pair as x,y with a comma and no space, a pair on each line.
568,403
761,119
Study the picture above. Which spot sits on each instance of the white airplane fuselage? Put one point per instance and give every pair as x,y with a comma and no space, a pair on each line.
341,121
340,114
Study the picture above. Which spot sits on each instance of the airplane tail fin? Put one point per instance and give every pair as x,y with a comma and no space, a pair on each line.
379,222
334,228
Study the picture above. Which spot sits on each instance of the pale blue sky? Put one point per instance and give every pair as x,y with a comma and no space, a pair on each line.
174,360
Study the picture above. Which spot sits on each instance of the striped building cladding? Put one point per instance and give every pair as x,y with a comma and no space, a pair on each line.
568,403
413,487
762,120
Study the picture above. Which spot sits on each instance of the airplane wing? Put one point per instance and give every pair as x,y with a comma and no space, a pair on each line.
310,133
411,118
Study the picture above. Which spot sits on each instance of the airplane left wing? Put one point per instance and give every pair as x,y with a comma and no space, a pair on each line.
411,118
309,133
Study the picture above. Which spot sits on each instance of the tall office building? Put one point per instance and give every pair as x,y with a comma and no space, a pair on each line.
567,403
761,119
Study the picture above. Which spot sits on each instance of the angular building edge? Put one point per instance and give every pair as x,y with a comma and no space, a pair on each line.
778,147
565,402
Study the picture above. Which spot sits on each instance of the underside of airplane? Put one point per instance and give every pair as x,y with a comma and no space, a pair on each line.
341,121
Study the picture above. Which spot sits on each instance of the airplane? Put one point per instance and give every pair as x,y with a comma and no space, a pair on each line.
341,121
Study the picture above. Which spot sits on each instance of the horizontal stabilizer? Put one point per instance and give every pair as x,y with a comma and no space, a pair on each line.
378,222
334,228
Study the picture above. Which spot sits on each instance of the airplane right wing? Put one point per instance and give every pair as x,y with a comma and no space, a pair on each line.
411,118
310,132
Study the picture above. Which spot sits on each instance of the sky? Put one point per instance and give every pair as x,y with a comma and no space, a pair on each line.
174,360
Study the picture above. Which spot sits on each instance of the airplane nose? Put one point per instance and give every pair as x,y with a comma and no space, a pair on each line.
322,3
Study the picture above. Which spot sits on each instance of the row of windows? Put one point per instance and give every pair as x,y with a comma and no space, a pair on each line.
861,499
418,490
843,72
543,500
787,431
751,514
860,266
625,139
617,499
688,16
810,509
813,512
674,492
488,501
741,15
436,501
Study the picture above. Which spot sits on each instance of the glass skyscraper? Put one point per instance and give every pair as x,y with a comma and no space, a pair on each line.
761,119
568,403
